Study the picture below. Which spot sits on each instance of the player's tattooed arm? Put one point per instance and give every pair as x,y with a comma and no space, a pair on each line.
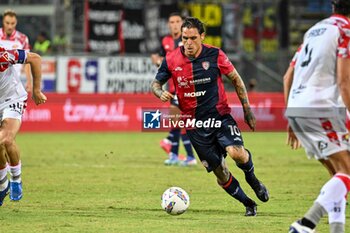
241,91
157,90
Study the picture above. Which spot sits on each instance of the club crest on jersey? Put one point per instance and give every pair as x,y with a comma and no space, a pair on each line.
205,65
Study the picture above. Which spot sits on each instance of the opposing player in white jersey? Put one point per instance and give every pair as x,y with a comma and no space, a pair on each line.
13,98
10,38
314,84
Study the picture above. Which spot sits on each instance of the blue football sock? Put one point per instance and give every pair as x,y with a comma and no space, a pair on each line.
170,135
187,144
233,188
248,169
175,141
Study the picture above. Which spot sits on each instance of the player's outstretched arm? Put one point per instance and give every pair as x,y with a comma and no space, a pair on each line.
287,82
157,90
343,79
292,140
35,64
241,91
29,82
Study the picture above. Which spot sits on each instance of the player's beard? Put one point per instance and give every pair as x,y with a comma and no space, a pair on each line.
9,32
190,52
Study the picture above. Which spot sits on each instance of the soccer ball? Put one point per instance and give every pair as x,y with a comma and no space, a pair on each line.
175,201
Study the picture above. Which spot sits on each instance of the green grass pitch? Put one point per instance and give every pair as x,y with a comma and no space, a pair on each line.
112,182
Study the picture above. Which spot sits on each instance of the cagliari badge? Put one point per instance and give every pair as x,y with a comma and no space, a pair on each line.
205,65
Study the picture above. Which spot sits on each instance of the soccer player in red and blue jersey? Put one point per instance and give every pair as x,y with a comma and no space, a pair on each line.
171,143
196,69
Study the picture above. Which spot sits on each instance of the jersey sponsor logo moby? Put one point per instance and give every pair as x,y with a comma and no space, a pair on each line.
194,94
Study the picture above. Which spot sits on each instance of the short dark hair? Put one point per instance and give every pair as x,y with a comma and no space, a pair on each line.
9,12
176,14
341,7
192,22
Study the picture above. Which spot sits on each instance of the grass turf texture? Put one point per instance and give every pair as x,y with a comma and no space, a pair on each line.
112,182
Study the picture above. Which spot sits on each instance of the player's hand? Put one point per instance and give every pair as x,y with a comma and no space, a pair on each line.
29,87
249,118
156,59
292,140
39,97
166,96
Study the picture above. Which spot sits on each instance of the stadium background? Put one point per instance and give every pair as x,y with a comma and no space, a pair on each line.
108,47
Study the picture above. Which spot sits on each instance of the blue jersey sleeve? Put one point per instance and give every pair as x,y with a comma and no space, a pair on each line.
163,74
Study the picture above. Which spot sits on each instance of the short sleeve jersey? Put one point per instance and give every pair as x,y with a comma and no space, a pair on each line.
16,40
314,81
10,83
198,82
170,44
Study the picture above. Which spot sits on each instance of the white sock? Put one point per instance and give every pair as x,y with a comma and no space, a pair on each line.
3,179
332,197
15,173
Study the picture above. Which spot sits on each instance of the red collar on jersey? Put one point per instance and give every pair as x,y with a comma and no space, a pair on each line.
342,17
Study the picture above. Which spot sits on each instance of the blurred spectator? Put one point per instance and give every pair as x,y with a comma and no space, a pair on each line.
42,44
59,43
